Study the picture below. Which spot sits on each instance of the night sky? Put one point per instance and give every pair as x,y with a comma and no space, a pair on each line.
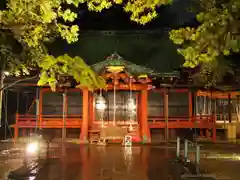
102,34
170,16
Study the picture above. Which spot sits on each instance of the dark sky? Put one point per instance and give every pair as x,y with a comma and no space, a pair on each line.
147,45
115,19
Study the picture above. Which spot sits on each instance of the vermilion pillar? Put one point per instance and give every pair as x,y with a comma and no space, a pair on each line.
16,130
166,114
91,109
145,132
214,129
84,129
39,107
190,106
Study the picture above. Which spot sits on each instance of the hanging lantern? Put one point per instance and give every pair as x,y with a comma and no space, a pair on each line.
100,103
131,105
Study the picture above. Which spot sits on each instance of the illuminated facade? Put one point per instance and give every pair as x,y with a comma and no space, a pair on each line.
137,99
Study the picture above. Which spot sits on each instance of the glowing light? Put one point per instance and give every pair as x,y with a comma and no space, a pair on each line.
130,127
115,69
6,73
131,106
100,103
32,148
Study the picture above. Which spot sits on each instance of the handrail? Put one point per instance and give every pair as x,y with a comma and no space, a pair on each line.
57,119
202,118
150,118
49,115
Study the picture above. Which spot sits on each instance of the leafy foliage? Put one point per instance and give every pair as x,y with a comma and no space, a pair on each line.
217,35
34,22
213,72
65,65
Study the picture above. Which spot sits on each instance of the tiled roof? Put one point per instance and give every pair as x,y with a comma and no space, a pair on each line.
133,69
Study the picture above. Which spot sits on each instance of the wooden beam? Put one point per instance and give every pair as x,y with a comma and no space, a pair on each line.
136,87
144,116
84,129
166,114
40,107
190,105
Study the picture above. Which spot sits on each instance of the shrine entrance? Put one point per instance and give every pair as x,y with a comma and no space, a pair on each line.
117,110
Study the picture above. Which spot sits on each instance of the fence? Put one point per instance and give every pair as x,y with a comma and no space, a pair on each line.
193,166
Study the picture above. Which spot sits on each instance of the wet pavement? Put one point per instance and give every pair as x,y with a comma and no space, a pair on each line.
114,162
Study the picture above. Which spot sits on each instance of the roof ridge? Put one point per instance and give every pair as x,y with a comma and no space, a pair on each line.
130,66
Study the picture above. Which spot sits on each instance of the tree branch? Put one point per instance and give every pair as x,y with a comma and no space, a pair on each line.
17,81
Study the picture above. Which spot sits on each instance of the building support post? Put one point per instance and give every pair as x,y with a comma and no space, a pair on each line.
166,114
91,109
16,129
37,107
190,105
84,128
229,108
144,117
64,114
40,106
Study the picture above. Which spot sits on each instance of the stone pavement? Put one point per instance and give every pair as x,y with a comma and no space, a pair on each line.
113,162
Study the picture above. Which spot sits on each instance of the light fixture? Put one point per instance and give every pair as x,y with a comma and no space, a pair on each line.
100,103
131,105
6,73
32,148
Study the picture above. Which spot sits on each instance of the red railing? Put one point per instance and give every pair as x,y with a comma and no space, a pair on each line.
48,121
202,121
74,121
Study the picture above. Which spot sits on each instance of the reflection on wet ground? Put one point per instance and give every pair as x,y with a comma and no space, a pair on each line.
111,163
105,163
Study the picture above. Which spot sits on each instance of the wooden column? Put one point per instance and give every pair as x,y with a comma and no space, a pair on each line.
16,129
64,115
91,108
229,108
94,109
214,129
39,106
138,103
84,128
166,114
190,106
145,132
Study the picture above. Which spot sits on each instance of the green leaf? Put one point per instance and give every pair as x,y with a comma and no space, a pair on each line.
43,79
